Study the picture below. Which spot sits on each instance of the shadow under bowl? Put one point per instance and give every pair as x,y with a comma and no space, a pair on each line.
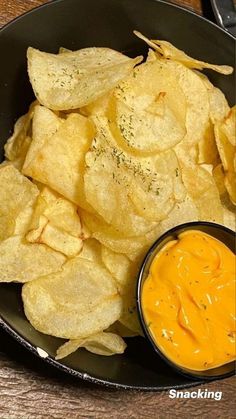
217,231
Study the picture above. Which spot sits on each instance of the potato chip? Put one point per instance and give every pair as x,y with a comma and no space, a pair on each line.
63,215
91,250
60,162
44,125
18,195
156,195
186,94
125,274
118,265
138,189
149,110
134,247
150,130
78,301
99,106
219,177
168,50
201,187
55,222
230,184
108,173
196,178
207,149
58,211
23,262
183,212
102,343
196,94
225,148
225,134
18,144
74,79
209,206
62,50
229,216
219,107
60,240
109,236
228,127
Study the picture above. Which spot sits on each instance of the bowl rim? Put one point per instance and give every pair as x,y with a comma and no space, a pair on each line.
181,370
85,376
164,2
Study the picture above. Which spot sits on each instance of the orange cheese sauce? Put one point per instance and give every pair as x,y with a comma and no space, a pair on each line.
188,301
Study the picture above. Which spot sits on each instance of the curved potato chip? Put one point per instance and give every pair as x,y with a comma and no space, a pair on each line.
219,107
229,216
99,106
209,205
201,187
219,177
156,195
56,223
186,94
150,130
230,184
58,160
60,240
7,226
117,264
107,182
229,126
44,125
225,148
74,79
207,149
17,197
183,212
149,110
168,50
18,144
196,94
57,210
125,274
103,343
109,236
197,179
78,301
225,134
23,262
133,247
91,250
62,50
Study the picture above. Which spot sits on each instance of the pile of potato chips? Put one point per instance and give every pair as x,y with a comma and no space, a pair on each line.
111,155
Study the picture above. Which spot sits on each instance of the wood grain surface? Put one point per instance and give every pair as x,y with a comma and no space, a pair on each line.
29,389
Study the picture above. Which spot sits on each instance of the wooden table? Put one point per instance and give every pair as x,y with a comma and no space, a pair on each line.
31,390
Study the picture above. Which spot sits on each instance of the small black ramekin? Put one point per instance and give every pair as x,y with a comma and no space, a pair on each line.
221,233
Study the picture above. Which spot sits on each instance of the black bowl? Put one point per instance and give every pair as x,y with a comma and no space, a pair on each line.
81,23
221,233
